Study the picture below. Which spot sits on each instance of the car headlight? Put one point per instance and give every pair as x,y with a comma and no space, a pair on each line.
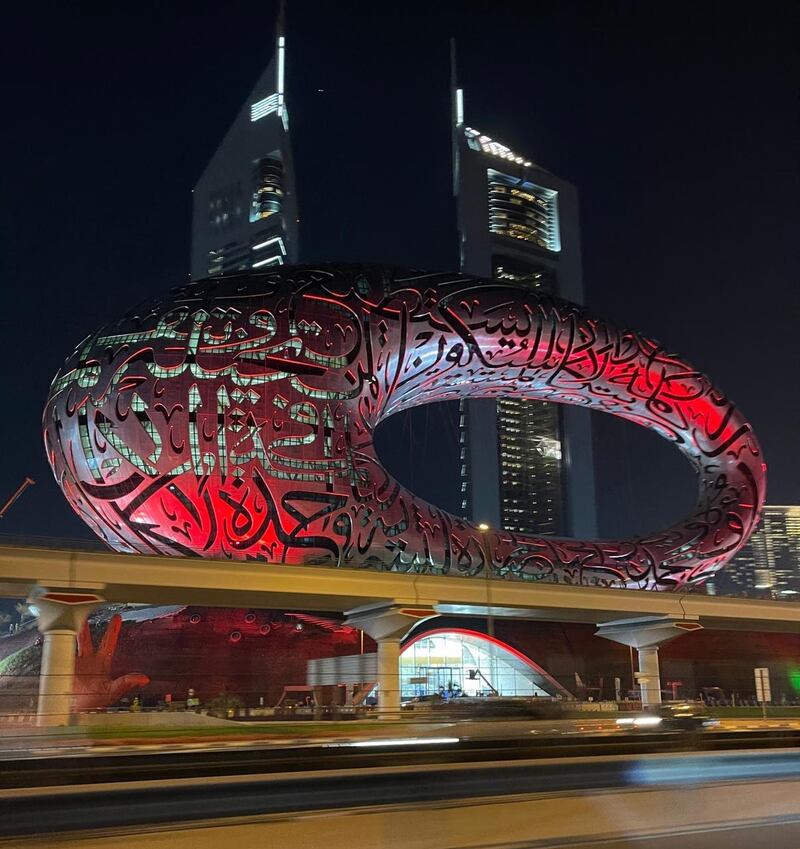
647,721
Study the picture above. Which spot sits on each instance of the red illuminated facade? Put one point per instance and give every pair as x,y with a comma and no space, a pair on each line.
253,654
234,419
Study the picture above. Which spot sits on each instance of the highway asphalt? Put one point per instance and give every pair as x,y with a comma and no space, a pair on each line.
338,779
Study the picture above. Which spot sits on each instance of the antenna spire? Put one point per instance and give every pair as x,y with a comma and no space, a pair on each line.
280,27
456,93
280,47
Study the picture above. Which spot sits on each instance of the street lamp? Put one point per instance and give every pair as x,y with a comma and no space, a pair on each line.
487,560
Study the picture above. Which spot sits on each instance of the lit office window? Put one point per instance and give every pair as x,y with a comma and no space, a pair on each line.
232,256
531,483
524,211
267,188
767,564
526,275
216,262
226,207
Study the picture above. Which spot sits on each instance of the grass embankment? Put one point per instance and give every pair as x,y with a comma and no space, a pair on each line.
788,712
265,730
780,712
590,714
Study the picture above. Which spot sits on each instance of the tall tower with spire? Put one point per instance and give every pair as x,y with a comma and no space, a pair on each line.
244,204
519,223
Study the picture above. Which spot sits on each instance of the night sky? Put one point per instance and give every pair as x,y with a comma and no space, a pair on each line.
678,124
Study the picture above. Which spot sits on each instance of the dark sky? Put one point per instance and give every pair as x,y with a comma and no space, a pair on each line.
677,122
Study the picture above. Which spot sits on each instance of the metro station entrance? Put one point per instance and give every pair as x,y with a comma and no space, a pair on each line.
460,662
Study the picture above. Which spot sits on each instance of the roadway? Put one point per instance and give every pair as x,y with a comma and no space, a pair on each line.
442,781
166,762
696,817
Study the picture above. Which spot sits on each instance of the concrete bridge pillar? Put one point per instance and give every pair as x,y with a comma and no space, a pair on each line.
389,679
649,676
646,635
60,615
388,625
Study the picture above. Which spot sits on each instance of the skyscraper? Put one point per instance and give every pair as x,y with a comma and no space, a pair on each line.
519,223
244,204
770,561
516,222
